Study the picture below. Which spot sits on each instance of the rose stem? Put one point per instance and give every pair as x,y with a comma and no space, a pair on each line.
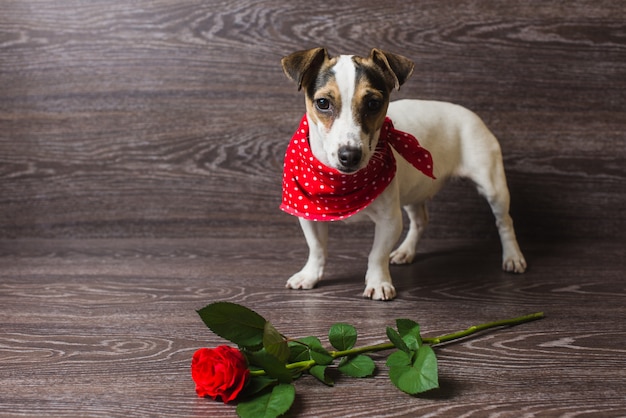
307,364
443,338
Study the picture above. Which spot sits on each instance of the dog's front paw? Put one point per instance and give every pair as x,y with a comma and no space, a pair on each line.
302,280
380,291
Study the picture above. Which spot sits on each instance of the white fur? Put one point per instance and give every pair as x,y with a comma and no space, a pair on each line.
344,130
461,146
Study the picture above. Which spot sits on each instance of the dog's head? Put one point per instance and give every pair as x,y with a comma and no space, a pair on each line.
346,101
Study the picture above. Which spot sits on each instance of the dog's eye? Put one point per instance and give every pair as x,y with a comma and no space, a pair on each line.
322,104
374,105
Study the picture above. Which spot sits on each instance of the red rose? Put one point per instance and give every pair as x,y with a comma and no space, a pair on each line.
221,371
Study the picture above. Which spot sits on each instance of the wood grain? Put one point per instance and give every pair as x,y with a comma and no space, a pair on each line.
107,110
141,150
107,327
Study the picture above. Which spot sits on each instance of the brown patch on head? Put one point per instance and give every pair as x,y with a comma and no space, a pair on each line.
323,98
371,96
376,76
370,101
312,70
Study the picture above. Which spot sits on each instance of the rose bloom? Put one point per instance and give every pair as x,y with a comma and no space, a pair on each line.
221,371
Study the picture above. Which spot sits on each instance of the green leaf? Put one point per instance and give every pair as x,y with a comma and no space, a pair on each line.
274,343
310,341
409,330
269,405
319,372
272,366
406,378
397,340
342,336
415,378
235,323
411,342
358,366
426,362
257,384
321,356
298,352
399,358
407,326
316,351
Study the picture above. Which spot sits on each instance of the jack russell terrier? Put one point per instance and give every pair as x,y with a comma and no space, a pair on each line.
355,156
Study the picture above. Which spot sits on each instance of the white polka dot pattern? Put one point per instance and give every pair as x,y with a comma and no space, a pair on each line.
317,192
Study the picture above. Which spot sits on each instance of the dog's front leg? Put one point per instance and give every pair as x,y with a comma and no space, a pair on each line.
378,285
316,235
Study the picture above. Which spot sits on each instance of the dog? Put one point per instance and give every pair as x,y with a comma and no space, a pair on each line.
347,110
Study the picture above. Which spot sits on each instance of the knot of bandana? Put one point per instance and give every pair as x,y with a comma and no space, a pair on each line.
316,192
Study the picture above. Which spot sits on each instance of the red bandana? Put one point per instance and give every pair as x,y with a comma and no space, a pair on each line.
317,192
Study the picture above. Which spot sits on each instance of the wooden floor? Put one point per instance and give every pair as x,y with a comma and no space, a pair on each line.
108,327
141,152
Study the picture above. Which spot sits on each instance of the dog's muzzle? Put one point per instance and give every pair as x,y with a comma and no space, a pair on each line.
349,158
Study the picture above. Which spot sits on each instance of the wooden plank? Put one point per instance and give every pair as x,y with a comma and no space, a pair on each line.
107,327
160,118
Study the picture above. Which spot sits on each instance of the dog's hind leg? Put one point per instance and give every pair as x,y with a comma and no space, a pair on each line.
418,219
491,183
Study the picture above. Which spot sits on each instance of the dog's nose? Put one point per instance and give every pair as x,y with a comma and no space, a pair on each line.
349,157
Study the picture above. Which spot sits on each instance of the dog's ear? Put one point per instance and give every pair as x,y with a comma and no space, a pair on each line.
397,69
301,65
